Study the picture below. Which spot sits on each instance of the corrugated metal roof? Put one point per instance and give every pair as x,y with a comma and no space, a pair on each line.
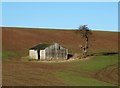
40,46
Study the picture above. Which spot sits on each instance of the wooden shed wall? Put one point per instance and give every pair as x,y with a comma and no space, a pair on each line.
56,51
33,54
42,54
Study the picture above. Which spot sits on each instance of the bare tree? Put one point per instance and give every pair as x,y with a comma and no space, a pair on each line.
85,33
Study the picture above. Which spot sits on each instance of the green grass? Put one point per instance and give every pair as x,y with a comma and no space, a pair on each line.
8,55
97,63
0,55
76,79
78,74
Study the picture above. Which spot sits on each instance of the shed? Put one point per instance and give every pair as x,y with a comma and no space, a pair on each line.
48,52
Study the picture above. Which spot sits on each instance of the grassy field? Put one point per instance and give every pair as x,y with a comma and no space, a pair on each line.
73,73
99,70
0,55
82,72
9,55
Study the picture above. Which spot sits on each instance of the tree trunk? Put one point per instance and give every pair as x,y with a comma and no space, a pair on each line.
86,44
85,48
84,52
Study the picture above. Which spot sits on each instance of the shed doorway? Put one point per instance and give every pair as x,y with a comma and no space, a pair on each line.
38,52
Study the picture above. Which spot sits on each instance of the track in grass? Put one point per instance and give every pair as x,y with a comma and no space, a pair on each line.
108,74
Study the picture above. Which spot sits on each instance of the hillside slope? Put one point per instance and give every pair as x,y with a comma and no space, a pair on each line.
21,39
18,71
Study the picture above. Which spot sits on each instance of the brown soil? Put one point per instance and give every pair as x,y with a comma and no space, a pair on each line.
21,39
30,73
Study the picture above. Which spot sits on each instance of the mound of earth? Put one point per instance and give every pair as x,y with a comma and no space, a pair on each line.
108,74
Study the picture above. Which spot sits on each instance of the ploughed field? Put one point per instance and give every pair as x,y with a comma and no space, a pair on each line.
99,70
21,39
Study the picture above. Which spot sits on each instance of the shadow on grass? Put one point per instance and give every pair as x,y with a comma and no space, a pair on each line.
104,54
